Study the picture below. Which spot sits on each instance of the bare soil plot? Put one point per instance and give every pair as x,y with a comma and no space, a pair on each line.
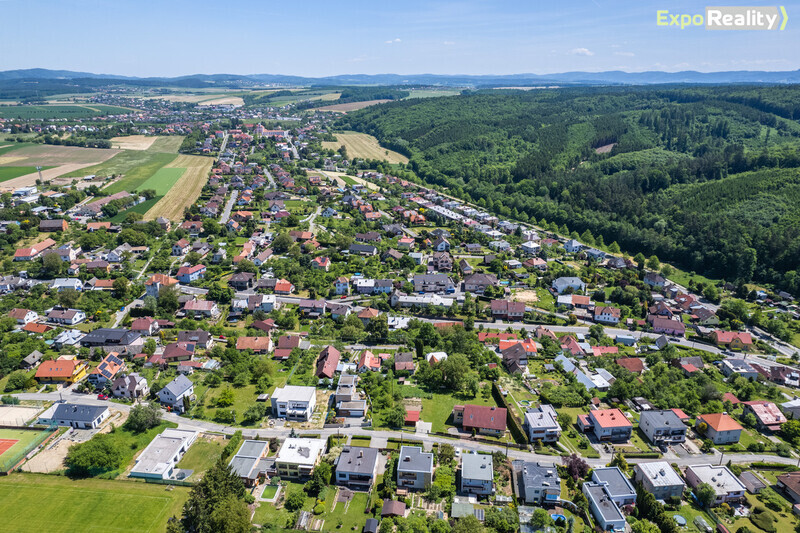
366,146
8,159
526,296
352,106
605,148
187,189
133,142
224,100
16,416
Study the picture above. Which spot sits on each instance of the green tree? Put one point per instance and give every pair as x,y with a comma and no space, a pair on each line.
653,263
94,456
396,416
705,495
121,287
143,417
216,503
645,526
226,398
468,524
295,500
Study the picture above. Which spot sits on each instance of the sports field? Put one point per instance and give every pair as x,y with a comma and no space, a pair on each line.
363,145
186,190
13,442
31,503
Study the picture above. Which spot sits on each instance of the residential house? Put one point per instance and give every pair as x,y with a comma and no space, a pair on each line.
404,362
297,457
414,468
31,360
146,326
477,474
258,345
327,362
188,274
251,464
482,419
294,402
181,247
156,281
561,285
738,367
507,310
662,427
201,308
356,467
341,286
542,424
727,487
108,369
132,387
721,428
241,281
536,483
657,281
667,326
63,370
437,283
606,315
607,424
160,458
769,417
733,340
659,479
23,316
789,484
200,338
75,415
477,283
176,393
607,492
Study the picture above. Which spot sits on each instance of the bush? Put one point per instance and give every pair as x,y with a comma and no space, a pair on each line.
319,509
763,519
143,417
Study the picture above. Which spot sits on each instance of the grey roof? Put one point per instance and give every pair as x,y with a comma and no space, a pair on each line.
533,474
605,506
413,459
33,357
477,466
543,417
78,413
617,483
357,460
660,419
179,385
113,336
371,526
248,458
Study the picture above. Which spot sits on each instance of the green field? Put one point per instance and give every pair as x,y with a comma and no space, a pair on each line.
167,144
60,111
163,180
136,166
141,208
9,173
31,503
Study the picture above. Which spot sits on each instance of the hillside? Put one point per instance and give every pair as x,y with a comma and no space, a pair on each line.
693,175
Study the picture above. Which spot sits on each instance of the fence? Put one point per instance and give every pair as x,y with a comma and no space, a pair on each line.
159,481
9,462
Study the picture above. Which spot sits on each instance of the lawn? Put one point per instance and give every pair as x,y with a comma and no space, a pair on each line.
30,503
689,512
267,513
439,409
352,520
202,455
130,444
785,521
244,397
9,173
141,208
360,441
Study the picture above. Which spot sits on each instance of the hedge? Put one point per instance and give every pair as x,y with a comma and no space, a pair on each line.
514,425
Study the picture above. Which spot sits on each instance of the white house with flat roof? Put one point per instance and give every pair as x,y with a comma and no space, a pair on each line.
659,479
477,474
726,486
298,457
159,459
294,402
542,423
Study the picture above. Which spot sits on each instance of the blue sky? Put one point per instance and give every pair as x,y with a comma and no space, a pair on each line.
316,38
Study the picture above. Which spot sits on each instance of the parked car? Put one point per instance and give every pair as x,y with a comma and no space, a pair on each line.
102,396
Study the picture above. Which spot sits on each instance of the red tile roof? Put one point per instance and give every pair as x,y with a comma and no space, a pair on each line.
484,417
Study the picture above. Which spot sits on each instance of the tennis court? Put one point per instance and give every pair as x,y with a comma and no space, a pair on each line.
6,444
15,443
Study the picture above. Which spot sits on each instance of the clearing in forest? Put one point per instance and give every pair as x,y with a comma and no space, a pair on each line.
366,146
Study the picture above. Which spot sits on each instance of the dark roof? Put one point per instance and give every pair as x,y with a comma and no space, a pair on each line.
371,526
110,336
393,508
197,335
78,413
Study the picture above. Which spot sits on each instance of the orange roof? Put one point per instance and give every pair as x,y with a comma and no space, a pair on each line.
32,327
60,368
253,343
680,414
412,416
610,418
720,422
283,286
163,279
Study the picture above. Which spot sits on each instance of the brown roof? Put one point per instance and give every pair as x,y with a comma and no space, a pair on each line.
484,417
253,343
631,364
327,362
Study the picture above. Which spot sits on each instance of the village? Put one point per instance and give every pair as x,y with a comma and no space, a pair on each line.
362,349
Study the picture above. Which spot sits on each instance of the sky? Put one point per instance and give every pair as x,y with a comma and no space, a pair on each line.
323,38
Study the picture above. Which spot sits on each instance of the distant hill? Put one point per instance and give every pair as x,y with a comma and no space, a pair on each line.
614,77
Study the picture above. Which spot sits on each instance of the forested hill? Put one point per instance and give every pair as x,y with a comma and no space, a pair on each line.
706,177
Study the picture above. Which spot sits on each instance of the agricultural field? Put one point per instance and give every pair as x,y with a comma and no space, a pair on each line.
54,160
72,111
186,190
30,503
363,145
352,106
133,142
135,167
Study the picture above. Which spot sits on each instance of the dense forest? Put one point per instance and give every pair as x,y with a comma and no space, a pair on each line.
706,177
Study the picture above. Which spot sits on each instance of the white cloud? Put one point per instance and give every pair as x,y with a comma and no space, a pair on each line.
581,52
392,41
626,54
